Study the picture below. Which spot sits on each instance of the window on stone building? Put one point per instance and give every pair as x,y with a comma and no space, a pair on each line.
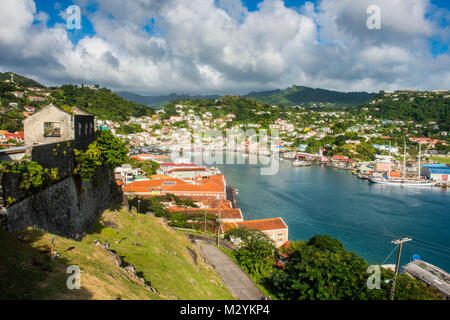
52,129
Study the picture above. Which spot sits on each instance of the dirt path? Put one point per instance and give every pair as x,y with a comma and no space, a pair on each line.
236,280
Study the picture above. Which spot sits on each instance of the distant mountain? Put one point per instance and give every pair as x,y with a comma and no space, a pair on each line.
298,95
157,101
20,80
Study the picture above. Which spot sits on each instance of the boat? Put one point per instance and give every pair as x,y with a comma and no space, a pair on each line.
300,163
404,182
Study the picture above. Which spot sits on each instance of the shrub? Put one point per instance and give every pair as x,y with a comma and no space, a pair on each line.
33,175
87,161
107,150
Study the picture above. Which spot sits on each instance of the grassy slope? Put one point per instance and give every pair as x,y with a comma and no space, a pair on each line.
441,159
163,259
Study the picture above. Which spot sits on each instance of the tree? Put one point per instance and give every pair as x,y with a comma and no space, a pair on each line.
256,251
113,150
319,269
442,148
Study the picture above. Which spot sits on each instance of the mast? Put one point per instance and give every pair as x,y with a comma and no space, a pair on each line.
390,158
404,158
418,173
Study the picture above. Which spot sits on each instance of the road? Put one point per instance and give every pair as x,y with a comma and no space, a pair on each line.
236,280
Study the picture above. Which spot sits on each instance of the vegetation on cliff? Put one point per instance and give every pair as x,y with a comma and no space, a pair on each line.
107,150
33,177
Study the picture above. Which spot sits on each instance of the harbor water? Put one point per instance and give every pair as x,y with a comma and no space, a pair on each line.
365,217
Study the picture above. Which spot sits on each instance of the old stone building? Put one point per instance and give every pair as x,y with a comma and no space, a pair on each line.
52,124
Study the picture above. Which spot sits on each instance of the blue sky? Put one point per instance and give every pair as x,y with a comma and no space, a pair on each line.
229,46
53,9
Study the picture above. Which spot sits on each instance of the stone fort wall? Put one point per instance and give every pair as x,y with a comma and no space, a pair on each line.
67,208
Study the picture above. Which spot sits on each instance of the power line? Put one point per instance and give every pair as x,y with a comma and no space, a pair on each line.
435,252
387,258
432,244
427,246
350,228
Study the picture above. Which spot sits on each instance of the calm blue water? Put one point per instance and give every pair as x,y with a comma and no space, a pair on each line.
365,217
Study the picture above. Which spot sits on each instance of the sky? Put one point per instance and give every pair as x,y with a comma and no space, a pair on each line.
156,47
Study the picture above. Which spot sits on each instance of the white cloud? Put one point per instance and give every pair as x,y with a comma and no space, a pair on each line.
207,46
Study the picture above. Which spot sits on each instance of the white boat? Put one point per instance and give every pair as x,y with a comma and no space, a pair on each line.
300,163
403,182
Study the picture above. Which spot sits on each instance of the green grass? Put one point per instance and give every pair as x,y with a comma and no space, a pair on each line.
162,258
445,160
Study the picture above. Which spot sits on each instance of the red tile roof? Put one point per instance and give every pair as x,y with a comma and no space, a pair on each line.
187,169
178,165
214,184
262,224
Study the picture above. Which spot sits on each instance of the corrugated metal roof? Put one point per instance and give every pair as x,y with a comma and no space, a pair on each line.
439,170
435,165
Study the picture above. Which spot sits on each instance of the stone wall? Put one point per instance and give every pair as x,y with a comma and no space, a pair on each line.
58,155
67,208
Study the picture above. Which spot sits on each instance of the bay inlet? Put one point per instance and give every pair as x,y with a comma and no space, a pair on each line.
365,217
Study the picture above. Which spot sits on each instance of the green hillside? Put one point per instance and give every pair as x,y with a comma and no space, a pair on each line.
300,95
20,80
163,258
101,102
418,106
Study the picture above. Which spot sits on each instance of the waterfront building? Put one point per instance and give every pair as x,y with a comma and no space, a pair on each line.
436,173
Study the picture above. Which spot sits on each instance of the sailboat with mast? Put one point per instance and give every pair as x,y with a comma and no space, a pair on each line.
403,181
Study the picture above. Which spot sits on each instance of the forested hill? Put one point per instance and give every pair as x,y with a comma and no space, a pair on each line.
101,102
418,106
300,95
159,101
20,80
293,96
95,100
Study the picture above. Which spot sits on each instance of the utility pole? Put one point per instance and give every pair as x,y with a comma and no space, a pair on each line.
218,228
400,243
205,221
